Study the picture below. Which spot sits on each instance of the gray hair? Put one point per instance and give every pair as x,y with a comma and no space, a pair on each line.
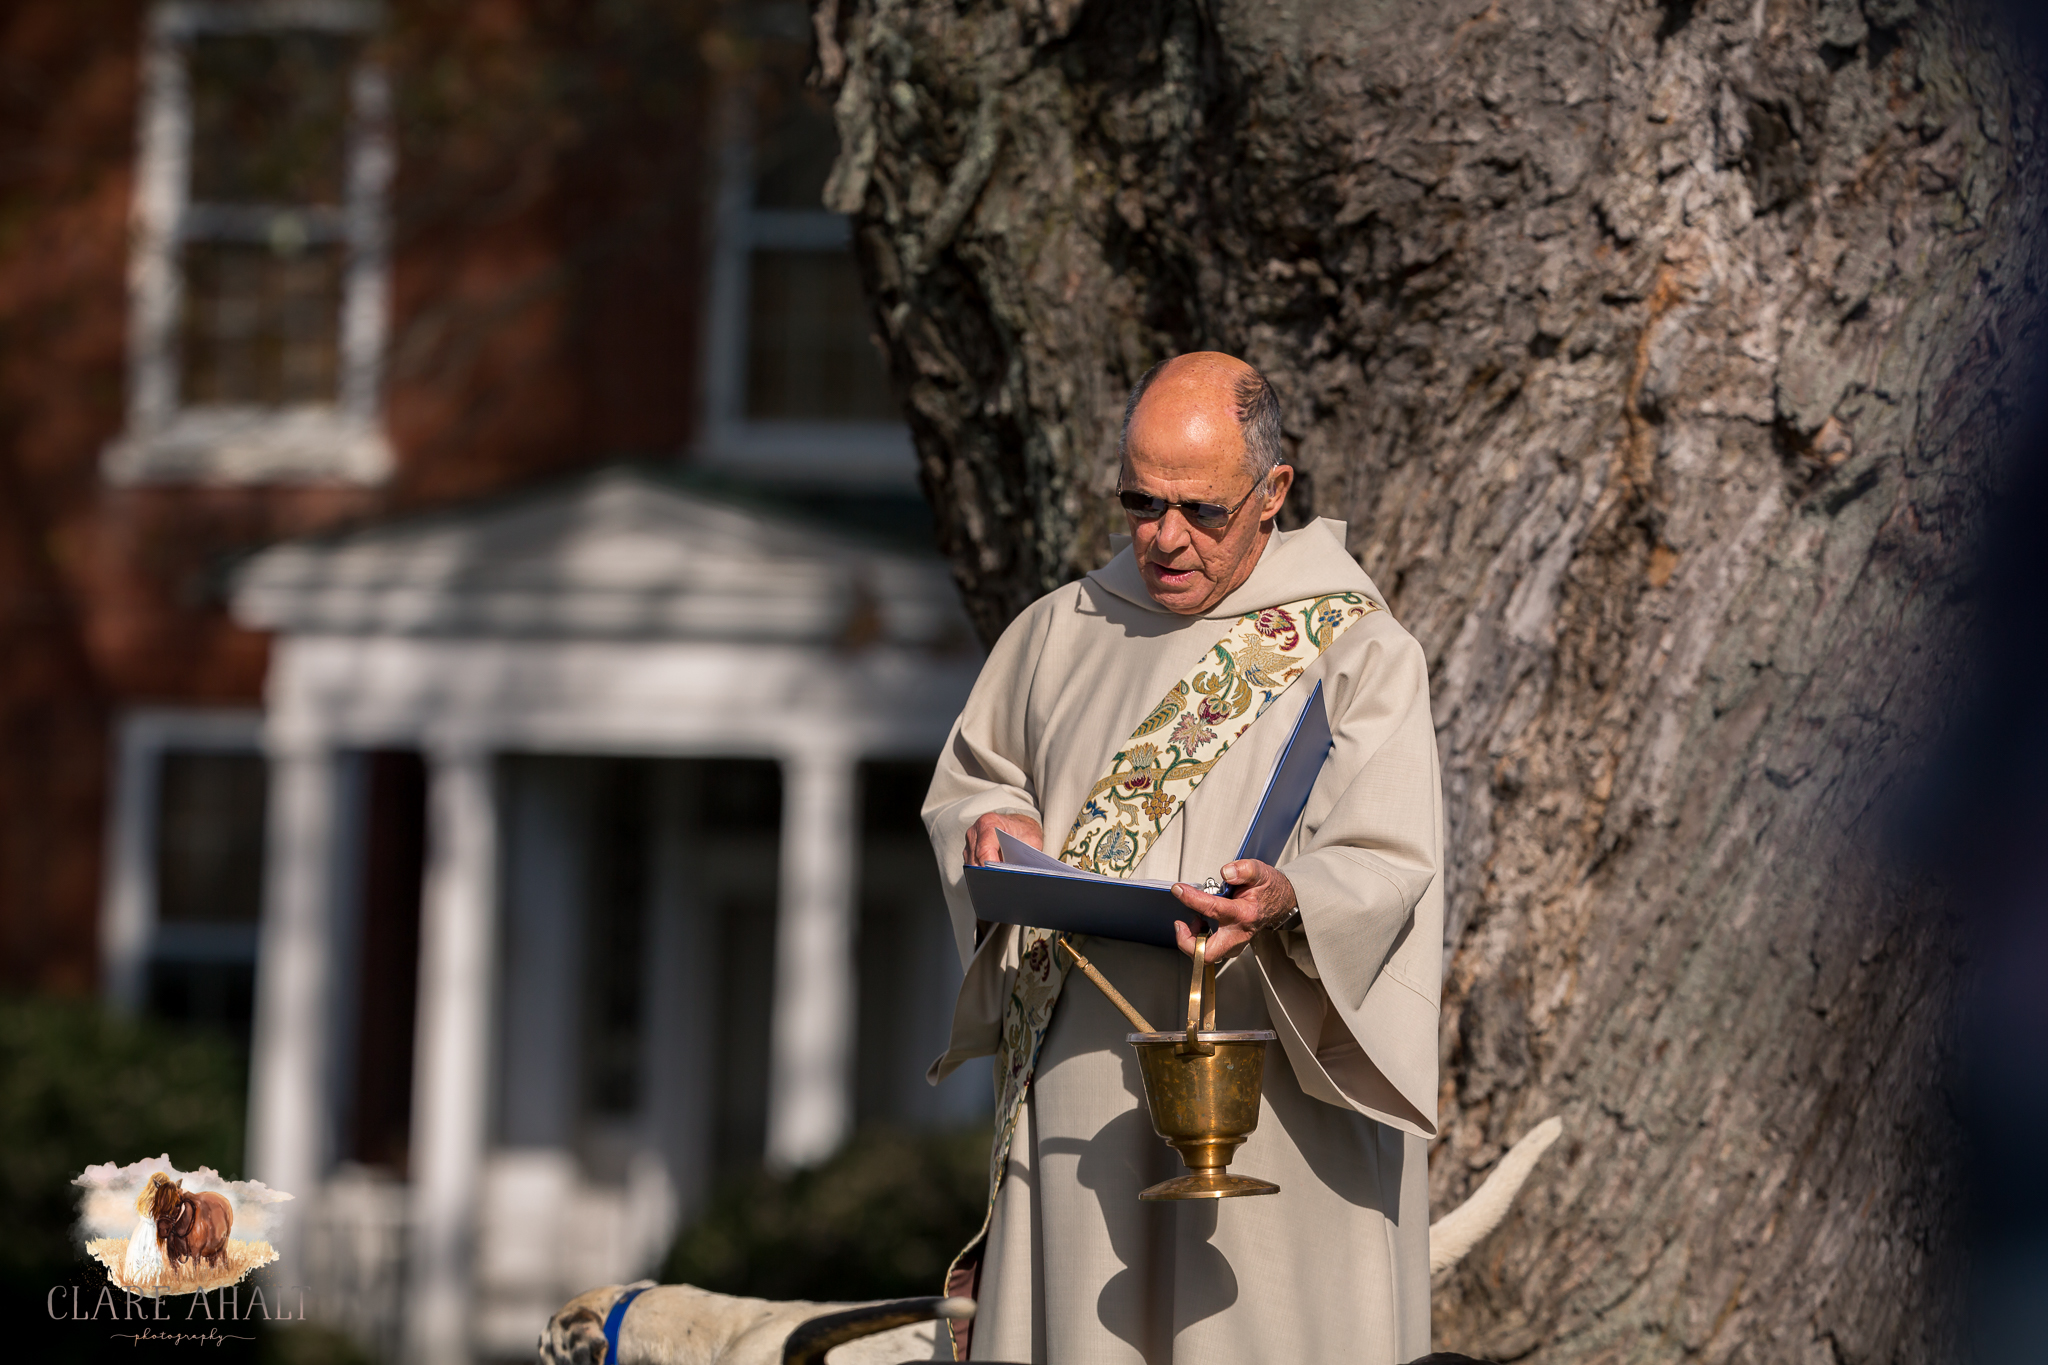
1255,405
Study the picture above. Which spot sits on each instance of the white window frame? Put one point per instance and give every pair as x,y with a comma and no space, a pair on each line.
130,933
166,441
866,455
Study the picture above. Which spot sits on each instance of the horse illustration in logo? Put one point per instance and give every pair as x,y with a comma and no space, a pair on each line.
188,1226
179,1241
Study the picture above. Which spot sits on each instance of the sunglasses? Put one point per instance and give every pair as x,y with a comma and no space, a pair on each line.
1210,516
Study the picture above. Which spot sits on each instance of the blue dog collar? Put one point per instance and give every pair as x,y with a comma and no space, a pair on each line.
613,1319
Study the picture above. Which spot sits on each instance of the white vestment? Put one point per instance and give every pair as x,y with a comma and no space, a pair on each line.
1336,1266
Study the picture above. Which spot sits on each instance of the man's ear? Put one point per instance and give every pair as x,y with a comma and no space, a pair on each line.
1277,483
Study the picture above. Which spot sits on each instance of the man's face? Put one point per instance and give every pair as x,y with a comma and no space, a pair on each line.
1185,446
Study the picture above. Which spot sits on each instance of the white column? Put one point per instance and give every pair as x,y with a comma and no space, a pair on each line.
128,892
289,1122
452,1058
810,1081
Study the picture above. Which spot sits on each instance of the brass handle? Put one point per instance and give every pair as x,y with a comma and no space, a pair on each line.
1201,990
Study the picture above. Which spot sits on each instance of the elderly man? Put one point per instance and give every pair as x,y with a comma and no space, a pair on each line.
1121,714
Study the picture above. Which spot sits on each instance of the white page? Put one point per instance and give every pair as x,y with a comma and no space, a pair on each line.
1017,853
1020,854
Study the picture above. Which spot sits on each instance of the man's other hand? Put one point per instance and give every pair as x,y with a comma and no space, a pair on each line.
1264,898
981,838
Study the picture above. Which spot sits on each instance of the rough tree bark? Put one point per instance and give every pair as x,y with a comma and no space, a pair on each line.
1656,355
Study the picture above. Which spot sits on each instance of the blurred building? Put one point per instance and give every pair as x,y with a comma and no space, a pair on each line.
470,620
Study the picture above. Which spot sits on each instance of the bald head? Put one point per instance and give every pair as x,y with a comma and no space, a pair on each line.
1201,429
1218,384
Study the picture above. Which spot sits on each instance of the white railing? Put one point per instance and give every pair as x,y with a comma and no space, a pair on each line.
546,1233
355,1257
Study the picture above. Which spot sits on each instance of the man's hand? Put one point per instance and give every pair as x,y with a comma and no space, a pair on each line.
1264,898
981,838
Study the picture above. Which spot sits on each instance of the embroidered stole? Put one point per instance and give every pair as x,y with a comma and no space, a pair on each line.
1130,806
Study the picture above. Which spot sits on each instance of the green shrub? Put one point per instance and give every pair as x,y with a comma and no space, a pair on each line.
306,1343
79,1086
880,1220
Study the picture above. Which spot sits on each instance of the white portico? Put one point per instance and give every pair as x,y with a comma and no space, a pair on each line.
594,679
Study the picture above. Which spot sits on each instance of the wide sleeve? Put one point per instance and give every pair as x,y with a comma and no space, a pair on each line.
1358,982
987,765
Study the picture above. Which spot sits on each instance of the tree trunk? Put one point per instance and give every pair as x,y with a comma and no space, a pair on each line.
1655,355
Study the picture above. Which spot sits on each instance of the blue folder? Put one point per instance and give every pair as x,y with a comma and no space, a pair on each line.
1034,888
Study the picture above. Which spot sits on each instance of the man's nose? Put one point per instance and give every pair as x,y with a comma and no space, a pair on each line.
1173,534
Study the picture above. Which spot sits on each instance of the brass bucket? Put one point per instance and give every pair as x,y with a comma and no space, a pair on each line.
1203,1088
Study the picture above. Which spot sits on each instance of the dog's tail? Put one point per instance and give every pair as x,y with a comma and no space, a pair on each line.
807,1344
1457,1232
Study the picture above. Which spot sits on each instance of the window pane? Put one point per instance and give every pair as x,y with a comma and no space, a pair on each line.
616,922
270,117
219,995
209,838
808,353
794,148
260,325
394,860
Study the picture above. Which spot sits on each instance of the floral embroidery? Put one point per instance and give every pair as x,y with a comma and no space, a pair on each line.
1328,619
1119,846
1025,1018
1195,727
1265,651
1275,624
1164,712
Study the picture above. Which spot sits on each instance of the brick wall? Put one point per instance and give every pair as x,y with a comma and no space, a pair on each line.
549,220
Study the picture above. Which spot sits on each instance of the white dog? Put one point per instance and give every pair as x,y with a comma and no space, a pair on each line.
679,1324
